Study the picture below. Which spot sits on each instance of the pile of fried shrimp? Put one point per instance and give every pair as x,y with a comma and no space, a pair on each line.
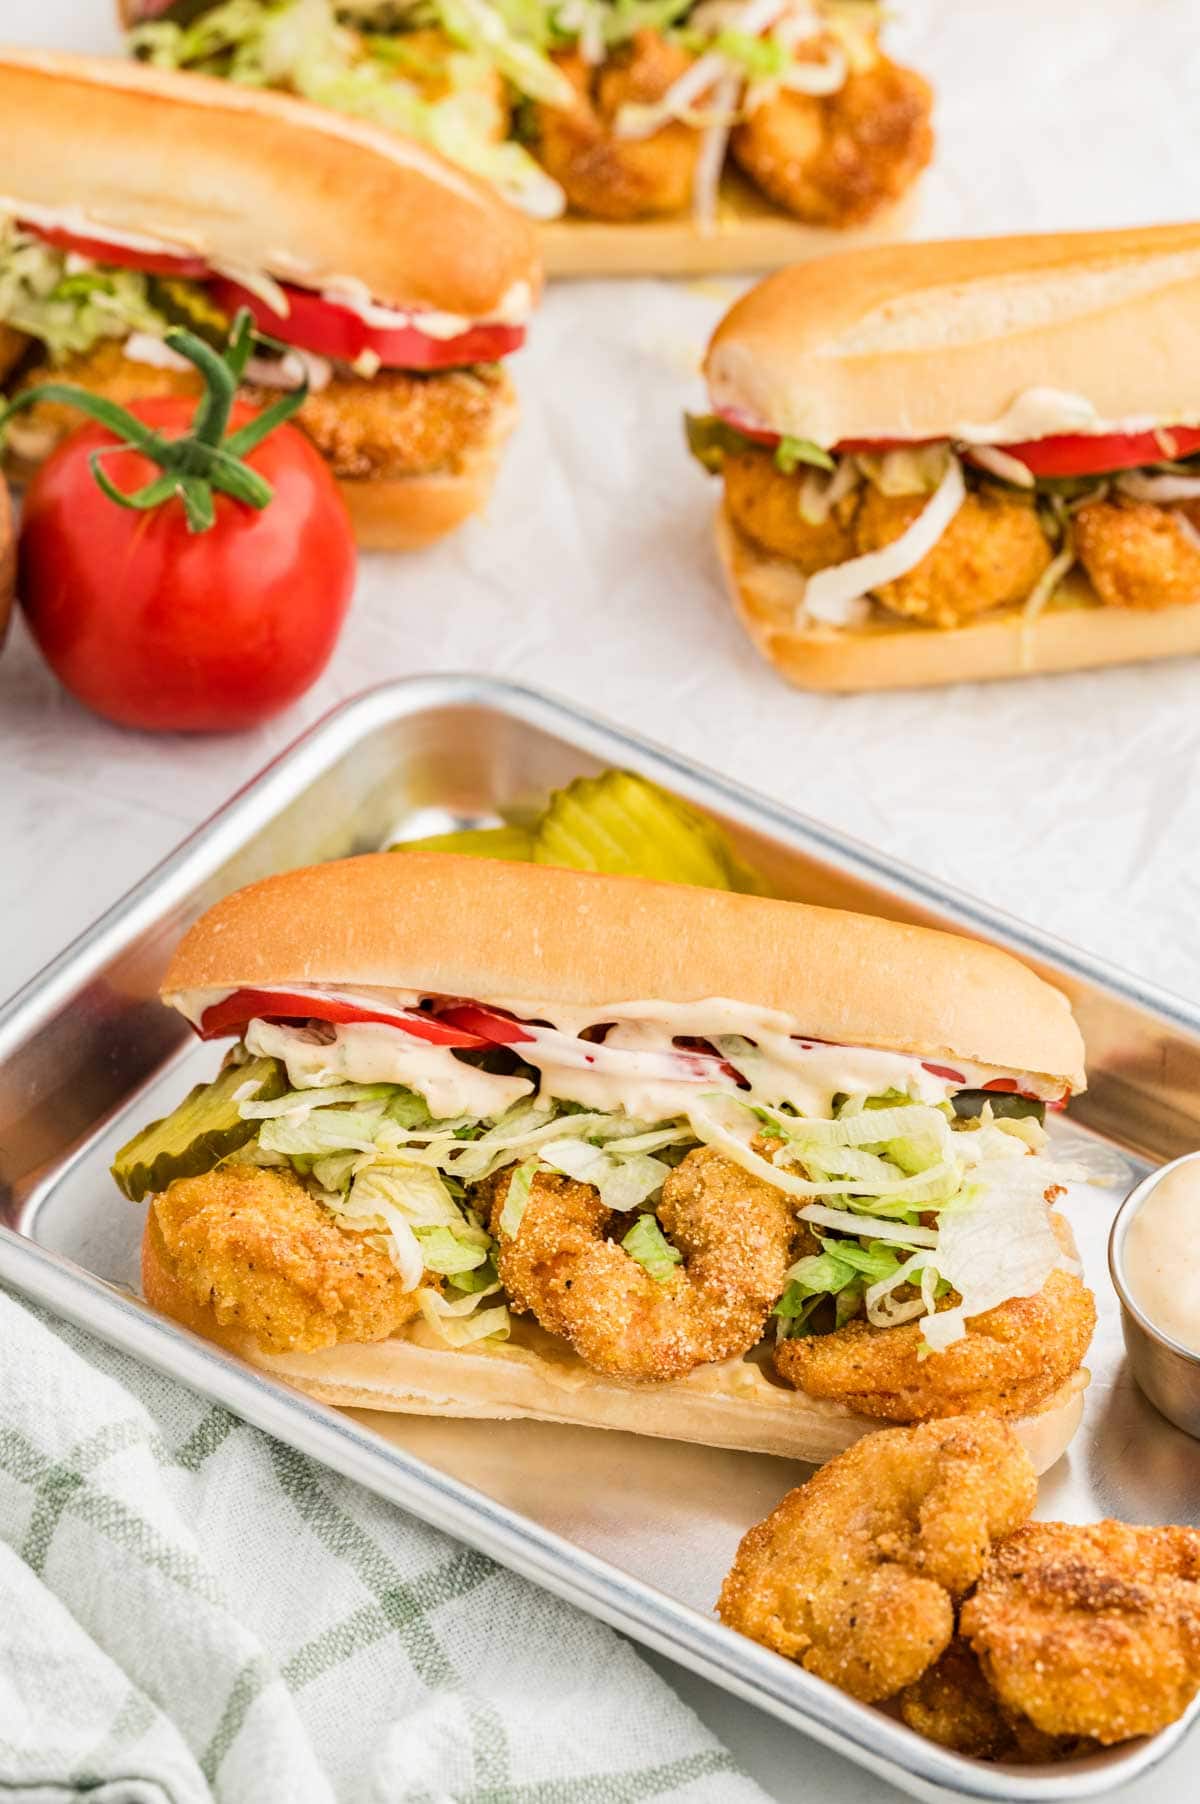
907,1572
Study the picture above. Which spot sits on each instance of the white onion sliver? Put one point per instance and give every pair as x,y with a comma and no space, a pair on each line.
642,121
819,79
877,1227
706,185
831,595
143,347
999,463
1140,487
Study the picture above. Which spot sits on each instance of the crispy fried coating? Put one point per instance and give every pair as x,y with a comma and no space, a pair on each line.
836,159
396,423
264,1254
1091,1631
600,173
1138,555
765,504
1011,1359
954,1705
990,556
855,1574
736,1234
400,422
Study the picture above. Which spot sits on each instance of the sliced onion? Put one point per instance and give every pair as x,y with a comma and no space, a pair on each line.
826,77
999,463
712,69
831,595
1048,581
143,347
1140,487
706,185
819,495
290,370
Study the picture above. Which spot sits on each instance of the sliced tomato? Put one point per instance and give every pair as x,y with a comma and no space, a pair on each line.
321,326
243,1006
492,1028
101,250
951,1076
1092,454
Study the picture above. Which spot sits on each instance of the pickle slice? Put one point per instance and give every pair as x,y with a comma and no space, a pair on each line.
205,1128
514,843
622,824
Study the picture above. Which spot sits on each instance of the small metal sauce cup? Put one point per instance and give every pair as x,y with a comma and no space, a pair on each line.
1166,1372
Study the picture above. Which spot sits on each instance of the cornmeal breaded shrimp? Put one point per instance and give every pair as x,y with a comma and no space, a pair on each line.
855,1574
1093,1630
1138,555
990,556
954,1705
1011,1359
263,1254
736,1234
766,505
835,159
605,175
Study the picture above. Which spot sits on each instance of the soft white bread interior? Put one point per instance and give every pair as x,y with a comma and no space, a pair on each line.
922,341
1074,633
537,1377
529,934
251,179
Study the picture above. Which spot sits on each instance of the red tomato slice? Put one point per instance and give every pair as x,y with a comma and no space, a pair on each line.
1092,454
100,250
317,325
232,1015
492,1028
951,1077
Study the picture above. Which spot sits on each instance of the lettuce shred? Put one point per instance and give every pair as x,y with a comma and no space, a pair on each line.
67,303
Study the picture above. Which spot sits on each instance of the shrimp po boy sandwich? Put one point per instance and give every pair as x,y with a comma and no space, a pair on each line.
499,1140
963,460
392,283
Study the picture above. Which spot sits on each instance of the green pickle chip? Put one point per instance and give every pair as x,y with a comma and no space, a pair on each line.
622,824
513,843
205,1128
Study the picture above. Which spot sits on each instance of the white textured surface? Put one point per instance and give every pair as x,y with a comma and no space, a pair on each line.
1069,801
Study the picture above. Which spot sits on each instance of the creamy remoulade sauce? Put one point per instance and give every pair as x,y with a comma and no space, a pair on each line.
762,1044
1162,1255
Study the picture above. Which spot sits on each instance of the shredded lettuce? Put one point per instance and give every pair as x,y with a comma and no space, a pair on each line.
623,1179
647,1243
517,1200
66,303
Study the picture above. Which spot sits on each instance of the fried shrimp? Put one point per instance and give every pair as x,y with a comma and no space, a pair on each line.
1138,555
954,1705
1091,1631
1011,1359
263,1254
990,556
855,1574
834,160
735,1233
765,504
104,370
601,173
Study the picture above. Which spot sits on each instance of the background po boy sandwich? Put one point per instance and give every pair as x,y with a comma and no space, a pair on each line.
507,1140
133,200
963,460
620,111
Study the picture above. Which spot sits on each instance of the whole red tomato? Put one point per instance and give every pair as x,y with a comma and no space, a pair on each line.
155,626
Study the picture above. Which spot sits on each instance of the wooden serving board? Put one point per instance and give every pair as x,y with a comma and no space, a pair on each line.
750,234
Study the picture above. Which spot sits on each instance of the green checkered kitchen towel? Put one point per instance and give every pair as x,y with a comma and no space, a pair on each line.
191,1611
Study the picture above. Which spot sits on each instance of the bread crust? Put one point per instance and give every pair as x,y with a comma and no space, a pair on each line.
536,935
318,195
403,513
1074,633
536,1377
915,341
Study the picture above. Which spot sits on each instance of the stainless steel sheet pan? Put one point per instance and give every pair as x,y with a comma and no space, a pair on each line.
639,1532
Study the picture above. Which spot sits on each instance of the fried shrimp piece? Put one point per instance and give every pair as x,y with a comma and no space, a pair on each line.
765,504
855,1574
401,422
954,1705
836,159
990,556
1138,555
736,1235
1091,1631
267,1258
606,175
1011,1359
104,370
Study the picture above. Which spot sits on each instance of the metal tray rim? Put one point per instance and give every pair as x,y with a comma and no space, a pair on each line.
638,1609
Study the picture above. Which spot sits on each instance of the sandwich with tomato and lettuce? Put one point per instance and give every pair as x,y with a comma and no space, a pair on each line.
963,460
494,1139
387,281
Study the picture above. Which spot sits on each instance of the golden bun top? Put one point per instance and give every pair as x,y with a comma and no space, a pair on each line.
497,932
255,180
918,341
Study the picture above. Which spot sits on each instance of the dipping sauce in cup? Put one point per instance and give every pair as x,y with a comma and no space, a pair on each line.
1162,1255
1154,1258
